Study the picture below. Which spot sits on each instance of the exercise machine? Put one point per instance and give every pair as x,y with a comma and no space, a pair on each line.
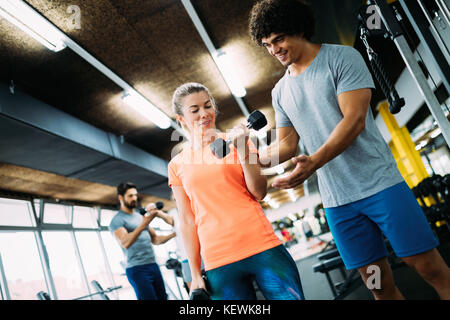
42,295
419,17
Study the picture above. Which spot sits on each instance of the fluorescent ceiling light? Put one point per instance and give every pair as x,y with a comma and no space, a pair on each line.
28,20
271,202
146,108
421,144
292,194
228,72
435,133
279,169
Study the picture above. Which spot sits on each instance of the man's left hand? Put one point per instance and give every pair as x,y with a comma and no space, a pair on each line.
305,166
151,208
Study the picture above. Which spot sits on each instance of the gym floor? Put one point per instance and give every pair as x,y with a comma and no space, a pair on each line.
413,287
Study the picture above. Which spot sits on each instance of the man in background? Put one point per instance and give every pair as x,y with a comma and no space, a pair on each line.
132,231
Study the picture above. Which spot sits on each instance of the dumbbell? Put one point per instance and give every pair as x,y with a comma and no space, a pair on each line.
436,214
427,188
199,294
256,120
417,193
159,205
174,264
446,180
437,182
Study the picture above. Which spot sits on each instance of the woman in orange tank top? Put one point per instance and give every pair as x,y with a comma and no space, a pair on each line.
221,220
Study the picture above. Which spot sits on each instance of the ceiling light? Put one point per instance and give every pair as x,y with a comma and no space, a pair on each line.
421,144
271,202
228,72
28,20
435,133
146,108
279,169
292,195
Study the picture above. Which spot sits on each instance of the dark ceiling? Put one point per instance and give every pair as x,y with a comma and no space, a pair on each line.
154,47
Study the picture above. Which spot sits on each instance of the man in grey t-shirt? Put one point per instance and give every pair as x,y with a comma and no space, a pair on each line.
132,231
324,98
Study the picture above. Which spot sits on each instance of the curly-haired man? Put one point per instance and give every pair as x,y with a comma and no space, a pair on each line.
324,98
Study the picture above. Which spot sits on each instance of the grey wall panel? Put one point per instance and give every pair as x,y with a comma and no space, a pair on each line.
26,146
21,107
115,171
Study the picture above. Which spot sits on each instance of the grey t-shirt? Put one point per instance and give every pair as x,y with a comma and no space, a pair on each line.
141,251
309,103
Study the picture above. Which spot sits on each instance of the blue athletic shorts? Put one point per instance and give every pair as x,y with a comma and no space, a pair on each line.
358,227
274,271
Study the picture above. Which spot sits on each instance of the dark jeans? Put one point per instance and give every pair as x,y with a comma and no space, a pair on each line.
147,282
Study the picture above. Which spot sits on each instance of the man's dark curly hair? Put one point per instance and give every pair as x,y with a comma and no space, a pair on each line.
123,187
290,17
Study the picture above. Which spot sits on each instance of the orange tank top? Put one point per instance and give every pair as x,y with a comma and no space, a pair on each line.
231,224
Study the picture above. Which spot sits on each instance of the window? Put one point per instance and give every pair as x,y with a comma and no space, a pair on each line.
55,213
106,217
163,253
15,213
22,266
84,217
117,262
71,274
37,207
92,258
64,265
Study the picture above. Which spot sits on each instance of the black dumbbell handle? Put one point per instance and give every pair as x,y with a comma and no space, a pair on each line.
255,120
159,205
199,294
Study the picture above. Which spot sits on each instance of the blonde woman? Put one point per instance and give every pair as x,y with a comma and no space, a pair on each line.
221,220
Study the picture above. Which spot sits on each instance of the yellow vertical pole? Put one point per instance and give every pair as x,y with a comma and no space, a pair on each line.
404,150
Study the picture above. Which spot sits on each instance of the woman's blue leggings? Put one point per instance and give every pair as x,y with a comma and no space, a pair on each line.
274,271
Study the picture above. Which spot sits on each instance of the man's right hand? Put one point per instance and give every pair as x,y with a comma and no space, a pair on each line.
148,217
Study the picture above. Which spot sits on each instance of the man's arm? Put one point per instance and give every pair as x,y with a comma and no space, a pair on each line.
160,239
151,207
354,106
125,238
284,148
166,217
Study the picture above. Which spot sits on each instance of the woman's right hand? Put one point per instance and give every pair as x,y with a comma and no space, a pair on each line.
239,135
197,283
